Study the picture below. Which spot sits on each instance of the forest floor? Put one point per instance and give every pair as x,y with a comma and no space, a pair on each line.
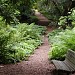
38,63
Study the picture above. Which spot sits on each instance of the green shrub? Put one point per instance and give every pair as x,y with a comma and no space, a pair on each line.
61,42
53,35
18,43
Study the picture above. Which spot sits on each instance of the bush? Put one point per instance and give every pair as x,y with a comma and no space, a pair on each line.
61,42
18,43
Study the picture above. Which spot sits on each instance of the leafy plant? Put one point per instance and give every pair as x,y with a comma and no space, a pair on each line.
17,11
18,43
61,42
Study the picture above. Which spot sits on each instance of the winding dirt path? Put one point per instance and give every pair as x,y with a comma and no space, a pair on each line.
42,20
38,63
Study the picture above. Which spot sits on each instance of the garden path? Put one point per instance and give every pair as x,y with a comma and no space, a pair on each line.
42,19
38,63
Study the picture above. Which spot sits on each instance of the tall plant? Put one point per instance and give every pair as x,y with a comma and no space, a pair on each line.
9,9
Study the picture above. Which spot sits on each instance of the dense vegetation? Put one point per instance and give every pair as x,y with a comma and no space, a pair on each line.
19,36
17,11
22,11
18,42
61,41
54,9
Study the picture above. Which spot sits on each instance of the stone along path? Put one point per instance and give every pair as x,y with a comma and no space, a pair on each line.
38,63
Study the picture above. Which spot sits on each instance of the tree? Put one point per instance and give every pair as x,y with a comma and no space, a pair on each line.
9,9
56,8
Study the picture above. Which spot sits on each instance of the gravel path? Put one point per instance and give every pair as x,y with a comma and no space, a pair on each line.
38,63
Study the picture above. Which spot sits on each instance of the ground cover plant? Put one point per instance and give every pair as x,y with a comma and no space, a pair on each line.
18,42
61,42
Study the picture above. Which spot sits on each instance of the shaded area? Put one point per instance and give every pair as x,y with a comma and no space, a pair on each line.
42,20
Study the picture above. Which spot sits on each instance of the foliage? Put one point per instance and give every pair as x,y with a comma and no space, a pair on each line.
18,10
18,42
62,20
61,42
54,9
47,9
52,34
7,12
67,21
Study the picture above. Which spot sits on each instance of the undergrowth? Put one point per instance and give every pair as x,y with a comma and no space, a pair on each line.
18,43
60,42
